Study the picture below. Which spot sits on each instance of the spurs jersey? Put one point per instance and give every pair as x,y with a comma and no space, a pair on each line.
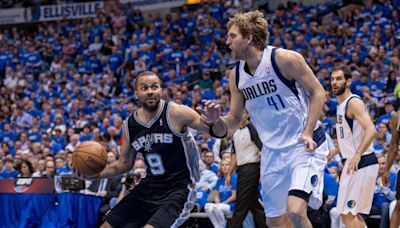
172,158
349,132
277,106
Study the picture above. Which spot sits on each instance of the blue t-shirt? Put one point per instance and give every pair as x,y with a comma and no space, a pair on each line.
224,191
214,168
6,174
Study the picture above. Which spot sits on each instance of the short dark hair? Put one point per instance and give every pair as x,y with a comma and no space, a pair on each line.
345,69
146,73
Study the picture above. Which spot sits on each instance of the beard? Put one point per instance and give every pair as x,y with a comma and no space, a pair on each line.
151,106
340,90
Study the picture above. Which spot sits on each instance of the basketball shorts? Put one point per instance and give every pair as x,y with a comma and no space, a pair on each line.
140,207
356,191
293,169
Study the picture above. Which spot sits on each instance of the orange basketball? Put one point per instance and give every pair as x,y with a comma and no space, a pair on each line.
89,158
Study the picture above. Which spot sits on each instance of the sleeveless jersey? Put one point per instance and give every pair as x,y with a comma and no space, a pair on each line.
172,158
349,132
277,106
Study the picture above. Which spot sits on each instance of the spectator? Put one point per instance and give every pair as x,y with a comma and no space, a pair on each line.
209,161
9,171
25,169
225,197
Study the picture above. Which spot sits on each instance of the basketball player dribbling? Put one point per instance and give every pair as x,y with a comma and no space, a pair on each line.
284,100
355,132
158,130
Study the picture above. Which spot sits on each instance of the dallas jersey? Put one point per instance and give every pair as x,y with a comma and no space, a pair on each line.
277,106
349,132
172,158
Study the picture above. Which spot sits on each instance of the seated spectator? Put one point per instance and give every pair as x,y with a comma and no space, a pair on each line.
383,195
25,169
40,168
224,202
50,168
207,182
9,171
61,167
209,161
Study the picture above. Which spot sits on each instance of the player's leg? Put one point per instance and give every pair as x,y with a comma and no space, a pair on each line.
297,208
106,225
351,220
395,220
174,209
275,181
305,178
129,212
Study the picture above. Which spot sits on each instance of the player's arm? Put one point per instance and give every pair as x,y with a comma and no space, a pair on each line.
232,120
294,67
356,110
188,117
123,164
393,147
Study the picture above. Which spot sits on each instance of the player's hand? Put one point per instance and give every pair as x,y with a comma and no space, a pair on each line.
309,142
210,112
205,188
385,178
329,157
228,181
353,165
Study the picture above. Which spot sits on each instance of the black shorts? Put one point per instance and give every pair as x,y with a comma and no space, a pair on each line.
398,186
142,206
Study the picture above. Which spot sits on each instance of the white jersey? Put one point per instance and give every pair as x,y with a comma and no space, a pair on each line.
349,132
245,149
277,106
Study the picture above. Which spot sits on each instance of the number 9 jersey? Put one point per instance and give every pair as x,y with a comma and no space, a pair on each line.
172,158
349,132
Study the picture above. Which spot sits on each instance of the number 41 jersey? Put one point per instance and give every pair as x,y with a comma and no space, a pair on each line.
172,158
278,107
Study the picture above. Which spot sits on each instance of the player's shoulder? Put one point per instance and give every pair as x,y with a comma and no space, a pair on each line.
282,54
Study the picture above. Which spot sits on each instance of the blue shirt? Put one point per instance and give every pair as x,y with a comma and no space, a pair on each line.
214,168
6,174
224,191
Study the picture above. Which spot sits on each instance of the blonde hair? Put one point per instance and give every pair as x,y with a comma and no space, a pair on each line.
252,23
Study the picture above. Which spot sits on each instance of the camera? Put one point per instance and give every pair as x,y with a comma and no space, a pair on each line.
132,179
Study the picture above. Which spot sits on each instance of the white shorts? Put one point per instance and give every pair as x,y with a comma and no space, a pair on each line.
294,169
356,191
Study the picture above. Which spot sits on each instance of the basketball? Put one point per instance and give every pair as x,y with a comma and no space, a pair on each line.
89,158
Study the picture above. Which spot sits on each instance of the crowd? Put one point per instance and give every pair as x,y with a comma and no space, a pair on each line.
71,81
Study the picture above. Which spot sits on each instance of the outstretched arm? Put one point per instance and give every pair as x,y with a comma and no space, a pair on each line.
123,164
232,120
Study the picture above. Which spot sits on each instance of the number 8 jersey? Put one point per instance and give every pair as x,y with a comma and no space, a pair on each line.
277,106
349,132
172,158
